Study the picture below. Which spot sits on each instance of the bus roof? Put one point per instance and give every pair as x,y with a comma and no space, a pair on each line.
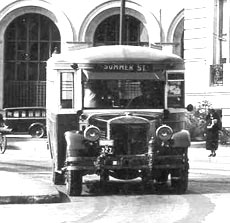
121,54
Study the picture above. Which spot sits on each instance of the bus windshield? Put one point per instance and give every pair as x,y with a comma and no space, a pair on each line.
142,94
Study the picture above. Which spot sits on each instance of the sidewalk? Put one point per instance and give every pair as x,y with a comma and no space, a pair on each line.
25,173
21,189
197,152
208,168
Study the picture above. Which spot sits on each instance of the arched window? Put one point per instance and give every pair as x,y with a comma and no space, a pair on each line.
178,39
30,40
107,33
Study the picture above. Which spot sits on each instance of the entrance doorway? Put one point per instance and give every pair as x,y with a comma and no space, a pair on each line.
30,40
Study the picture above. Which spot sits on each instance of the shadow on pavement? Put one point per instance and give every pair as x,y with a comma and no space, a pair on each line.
96,188
209,186
10,147
197,186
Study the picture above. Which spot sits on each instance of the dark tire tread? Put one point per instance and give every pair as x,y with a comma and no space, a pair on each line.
74,183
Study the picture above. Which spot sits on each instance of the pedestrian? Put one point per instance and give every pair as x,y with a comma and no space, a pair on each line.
213,125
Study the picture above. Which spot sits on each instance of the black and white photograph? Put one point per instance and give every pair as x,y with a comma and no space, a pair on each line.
114,111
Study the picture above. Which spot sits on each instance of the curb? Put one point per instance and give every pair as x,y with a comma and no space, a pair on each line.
202,144
32,199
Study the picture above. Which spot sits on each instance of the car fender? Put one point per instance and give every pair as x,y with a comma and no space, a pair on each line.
74,144
181,139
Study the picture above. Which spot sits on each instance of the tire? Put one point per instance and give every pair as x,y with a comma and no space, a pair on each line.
74,183
180,185
37,131
104,177
147,182
3,144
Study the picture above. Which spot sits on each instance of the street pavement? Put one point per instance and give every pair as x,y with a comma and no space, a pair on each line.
21,188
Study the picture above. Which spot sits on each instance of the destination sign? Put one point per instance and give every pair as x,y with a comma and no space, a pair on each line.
125,67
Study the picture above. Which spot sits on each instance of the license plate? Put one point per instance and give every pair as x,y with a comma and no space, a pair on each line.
107,149
115,163
106,143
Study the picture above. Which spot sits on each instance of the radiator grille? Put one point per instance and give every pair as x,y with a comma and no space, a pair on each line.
129,139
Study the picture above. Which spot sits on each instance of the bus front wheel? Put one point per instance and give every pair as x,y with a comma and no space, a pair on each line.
74,183
179,181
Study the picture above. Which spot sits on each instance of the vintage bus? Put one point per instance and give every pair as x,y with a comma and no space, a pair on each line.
117,111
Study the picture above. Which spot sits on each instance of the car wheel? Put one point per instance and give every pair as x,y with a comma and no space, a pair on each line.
37,131
74,183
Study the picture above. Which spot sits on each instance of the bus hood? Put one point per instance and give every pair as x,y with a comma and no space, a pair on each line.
124,118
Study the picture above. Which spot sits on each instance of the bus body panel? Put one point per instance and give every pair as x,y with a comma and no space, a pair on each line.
58,124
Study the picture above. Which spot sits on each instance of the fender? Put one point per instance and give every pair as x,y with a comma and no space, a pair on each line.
74,144
181,139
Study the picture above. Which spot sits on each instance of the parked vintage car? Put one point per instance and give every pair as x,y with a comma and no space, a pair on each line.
30,120
102,122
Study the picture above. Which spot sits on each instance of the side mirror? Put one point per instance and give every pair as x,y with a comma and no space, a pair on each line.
190,107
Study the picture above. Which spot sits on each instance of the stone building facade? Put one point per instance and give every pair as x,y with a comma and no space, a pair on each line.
206,54
32,30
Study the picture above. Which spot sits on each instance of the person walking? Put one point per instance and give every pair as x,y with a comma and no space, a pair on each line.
213,125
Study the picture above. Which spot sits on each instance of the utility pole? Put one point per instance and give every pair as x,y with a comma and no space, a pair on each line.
160,28
122,22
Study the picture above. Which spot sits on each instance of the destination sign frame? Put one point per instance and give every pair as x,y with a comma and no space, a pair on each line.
124,67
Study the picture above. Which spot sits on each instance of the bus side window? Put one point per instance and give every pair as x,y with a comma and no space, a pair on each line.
67,89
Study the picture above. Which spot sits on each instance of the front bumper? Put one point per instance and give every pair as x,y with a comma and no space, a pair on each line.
136,162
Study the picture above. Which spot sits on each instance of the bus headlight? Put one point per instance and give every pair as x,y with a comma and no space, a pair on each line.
92,133
164,132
